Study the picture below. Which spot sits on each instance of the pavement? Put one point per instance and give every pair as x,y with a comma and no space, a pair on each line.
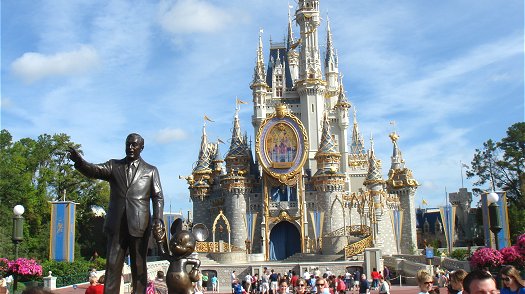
393,290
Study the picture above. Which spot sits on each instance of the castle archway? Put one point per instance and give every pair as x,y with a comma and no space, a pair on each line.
285,241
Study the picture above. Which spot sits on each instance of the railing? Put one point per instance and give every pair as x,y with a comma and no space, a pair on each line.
355,230
207,247
358,247
279,205
71,280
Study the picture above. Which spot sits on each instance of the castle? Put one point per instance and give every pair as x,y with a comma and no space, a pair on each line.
309,187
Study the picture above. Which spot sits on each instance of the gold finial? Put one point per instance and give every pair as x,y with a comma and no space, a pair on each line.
281,110
393,136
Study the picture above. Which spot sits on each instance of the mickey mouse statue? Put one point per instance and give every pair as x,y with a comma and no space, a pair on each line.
182,244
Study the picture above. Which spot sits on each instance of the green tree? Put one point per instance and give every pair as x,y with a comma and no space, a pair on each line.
502,164
34,172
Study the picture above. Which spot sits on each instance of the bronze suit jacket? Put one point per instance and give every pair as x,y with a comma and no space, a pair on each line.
134,200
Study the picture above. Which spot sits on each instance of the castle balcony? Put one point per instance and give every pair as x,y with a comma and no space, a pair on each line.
291,206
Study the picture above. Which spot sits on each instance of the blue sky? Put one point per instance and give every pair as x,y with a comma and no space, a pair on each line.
449,73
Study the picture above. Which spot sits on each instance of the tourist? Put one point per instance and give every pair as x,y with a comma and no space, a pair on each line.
205,279
95,285
233,277
248,282
237,287
322,286
255,283
283,286
357,277
479,281
214,284
294,279
3,286
364,285
425,282
384,286
455,285
341,285
386,273
265,282
160,283
306,275
274,278
348,280
301,286
375,278
512,281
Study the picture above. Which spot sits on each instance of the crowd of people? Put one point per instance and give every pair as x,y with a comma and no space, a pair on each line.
272,282
475,282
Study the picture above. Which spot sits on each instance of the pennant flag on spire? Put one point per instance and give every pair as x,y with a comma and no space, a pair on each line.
424,202
220,141
239,101
207,118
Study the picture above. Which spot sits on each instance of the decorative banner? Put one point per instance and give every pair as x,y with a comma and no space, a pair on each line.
317,220
448,214
251,220
282,146
396,218
62,231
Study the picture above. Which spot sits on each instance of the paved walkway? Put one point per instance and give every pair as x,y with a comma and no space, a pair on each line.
394,290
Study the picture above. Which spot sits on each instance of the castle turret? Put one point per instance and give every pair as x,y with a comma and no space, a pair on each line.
357,159
401,182
341,111
376,194
329,182
310,86
259,87
237,182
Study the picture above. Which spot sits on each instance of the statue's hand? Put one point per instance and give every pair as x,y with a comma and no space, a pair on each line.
194,274
74,155
158,230
159,233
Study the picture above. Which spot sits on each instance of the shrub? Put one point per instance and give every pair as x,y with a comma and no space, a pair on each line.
486,257
460,254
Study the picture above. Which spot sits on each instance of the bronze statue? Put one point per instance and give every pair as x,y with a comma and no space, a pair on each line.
181,246
134,183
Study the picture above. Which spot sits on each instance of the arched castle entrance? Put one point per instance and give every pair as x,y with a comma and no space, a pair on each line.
285,241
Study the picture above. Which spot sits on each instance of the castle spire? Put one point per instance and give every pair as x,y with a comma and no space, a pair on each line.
374,176
342,101
259,74
330,60
290,42
203,161
357,146
397,158
327,144
399,176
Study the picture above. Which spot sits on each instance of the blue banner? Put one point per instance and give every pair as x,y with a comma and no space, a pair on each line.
62,231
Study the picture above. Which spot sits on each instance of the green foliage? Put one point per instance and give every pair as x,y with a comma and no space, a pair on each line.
503,163
78,267
460,254
34,172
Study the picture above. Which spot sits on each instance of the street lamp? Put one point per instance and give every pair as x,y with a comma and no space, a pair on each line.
18,233
494,216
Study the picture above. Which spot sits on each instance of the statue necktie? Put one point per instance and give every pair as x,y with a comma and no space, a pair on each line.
131,168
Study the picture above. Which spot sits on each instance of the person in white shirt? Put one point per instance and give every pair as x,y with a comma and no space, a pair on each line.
248,282
306,275
384,287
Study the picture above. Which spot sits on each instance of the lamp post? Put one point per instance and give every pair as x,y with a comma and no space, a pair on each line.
18,234
494,216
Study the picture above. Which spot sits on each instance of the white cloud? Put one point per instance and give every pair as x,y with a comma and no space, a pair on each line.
193,16
5,102
168,135
34,66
